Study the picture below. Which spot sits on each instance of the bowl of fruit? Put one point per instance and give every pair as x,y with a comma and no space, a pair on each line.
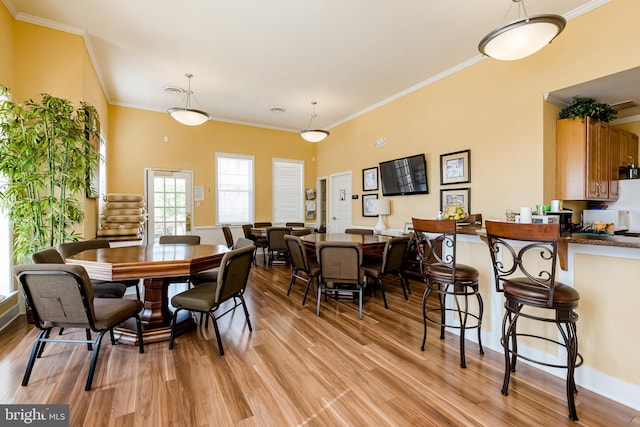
455,210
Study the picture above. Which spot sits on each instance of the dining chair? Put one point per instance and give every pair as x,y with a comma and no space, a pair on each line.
70,249
524,258
392,263
208,297
228,236
180,239
211,275
101,289
294,224
447,278
61,295
340,271
276,246
303,268
358,231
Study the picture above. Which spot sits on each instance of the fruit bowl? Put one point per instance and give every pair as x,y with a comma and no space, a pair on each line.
455,210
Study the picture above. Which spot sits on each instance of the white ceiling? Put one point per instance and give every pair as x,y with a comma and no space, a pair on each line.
250,55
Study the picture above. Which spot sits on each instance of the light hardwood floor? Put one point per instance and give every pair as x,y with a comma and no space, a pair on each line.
297,369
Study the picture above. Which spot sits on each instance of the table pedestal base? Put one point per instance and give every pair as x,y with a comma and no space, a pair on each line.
155,317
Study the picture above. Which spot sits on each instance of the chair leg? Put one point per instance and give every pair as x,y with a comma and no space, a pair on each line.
140,342
319,296
138,291
360,292
113,338
404,286
442,297
94,360
246,312
173,328
292,281
508,342
42,344
215,327
480,313
384,297
570,338
425,297
306,291
462,319
34,351
88,333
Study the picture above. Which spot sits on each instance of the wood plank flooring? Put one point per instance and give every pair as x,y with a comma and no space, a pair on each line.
297,369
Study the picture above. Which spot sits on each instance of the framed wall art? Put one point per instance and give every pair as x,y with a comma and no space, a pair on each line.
367,208
463,195
455,168
370,179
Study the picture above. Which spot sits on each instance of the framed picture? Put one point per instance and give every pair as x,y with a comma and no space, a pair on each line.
463,195
455,168
367,209
370,179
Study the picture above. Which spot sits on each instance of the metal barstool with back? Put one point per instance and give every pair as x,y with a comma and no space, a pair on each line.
524,264
445,277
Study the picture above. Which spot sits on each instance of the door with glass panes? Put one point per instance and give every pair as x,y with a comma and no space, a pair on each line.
169,197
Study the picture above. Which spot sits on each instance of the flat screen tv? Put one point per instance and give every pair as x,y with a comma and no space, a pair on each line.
404,176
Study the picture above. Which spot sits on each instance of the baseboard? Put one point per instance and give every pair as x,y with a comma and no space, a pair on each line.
9,316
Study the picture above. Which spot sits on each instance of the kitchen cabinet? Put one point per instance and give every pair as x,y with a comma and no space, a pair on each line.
628,147
584,166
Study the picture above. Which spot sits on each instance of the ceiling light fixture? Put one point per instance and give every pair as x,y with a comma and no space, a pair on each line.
189,116
522,37
313,135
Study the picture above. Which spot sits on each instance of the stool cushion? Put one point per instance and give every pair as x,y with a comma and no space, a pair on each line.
526,289
441,271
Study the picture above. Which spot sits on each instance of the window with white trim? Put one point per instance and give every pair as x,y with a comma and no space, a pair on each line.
235,180
288,190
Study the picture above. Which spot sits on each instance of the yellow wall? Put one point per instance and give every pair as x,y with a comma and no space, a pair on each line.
137,142
6,47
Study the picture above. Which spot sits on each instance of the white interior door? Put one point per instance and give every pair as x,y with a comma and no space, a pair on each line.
169,198
339,202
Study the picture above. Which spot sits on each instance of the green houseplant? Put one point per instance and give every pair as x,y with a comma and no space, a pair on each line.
583,107
46,157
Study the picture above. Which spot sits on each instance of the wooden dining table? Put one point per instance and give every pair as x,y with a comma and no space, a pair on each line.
155,265
371,243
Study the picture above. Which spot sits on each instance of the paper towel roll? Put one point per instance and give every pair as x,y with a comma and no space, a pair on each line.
525,215
555,206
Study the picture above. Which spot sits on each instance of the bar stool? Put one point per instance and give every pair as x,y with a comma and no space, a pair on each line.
526,276
445,277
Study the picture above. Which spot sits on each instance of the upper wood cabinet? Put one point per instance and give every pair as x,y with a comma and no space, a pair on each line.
628,147
584,166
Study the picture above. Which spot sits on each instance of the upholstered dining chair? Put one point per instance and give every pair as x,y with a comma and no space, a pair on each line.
294,224
447,278
358,231
524,258
208,297
101,289
275,244
180,239
392,263
303,268
228,236
70,249
61,295
340,271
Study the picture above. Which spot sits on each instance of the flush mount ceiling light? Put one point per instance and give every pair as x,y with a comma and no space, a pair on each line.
186,115
313,135
522,37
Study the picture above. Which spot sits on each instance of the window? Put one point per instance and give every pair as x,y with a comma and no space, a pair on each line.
288,190
235,188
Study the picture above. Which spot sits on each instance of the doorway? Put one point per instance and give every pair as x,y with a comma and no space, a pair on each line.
169,200
339,202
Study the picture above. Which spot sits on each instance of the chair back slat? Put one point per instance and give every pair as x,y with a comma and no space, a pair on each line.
184,239
395,254
47,256
436,240
526,251
70,249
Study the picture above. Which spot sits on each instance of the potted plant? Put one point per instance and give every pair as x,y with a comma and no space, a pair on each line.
46,158
583,107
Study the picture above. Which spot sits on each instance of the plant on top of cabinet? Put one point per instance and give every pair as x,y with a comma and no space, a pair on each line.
45,157
583,107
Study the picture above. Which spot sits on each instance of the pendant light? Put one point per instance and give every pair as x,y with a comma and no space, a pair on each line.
522,37
186,115
313,135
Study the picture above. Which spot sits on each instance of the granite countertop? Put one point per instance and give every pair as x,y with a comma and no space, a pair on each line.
617,241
